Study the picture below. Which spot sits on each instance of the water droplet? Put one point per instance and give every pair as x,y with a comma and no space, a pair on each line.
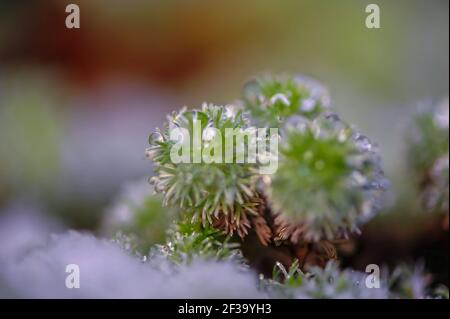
150,153
173,125
359,178
159,187
363,143
230,111
332,117
280,97
154,138
315,89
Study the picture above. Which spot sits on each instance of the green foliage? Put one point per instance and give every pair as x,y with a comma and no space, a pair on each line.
333,283
428,156
327,283
28,117
429,138
292,277
414,283
204,191
187,241
440,292
329,182
329,178
273,99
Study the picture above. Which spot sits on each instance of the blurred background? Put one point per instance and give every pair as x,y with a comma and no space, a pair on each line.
77,105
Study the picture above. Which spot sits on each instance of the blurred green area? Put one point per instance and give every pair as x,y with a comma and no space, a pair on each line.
31,127
195,51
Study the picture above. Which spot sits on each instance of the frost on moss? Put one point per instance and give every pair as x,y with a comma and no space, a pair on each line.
428,156
329,180
321,283
219,194
187,241
273,99
331,282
